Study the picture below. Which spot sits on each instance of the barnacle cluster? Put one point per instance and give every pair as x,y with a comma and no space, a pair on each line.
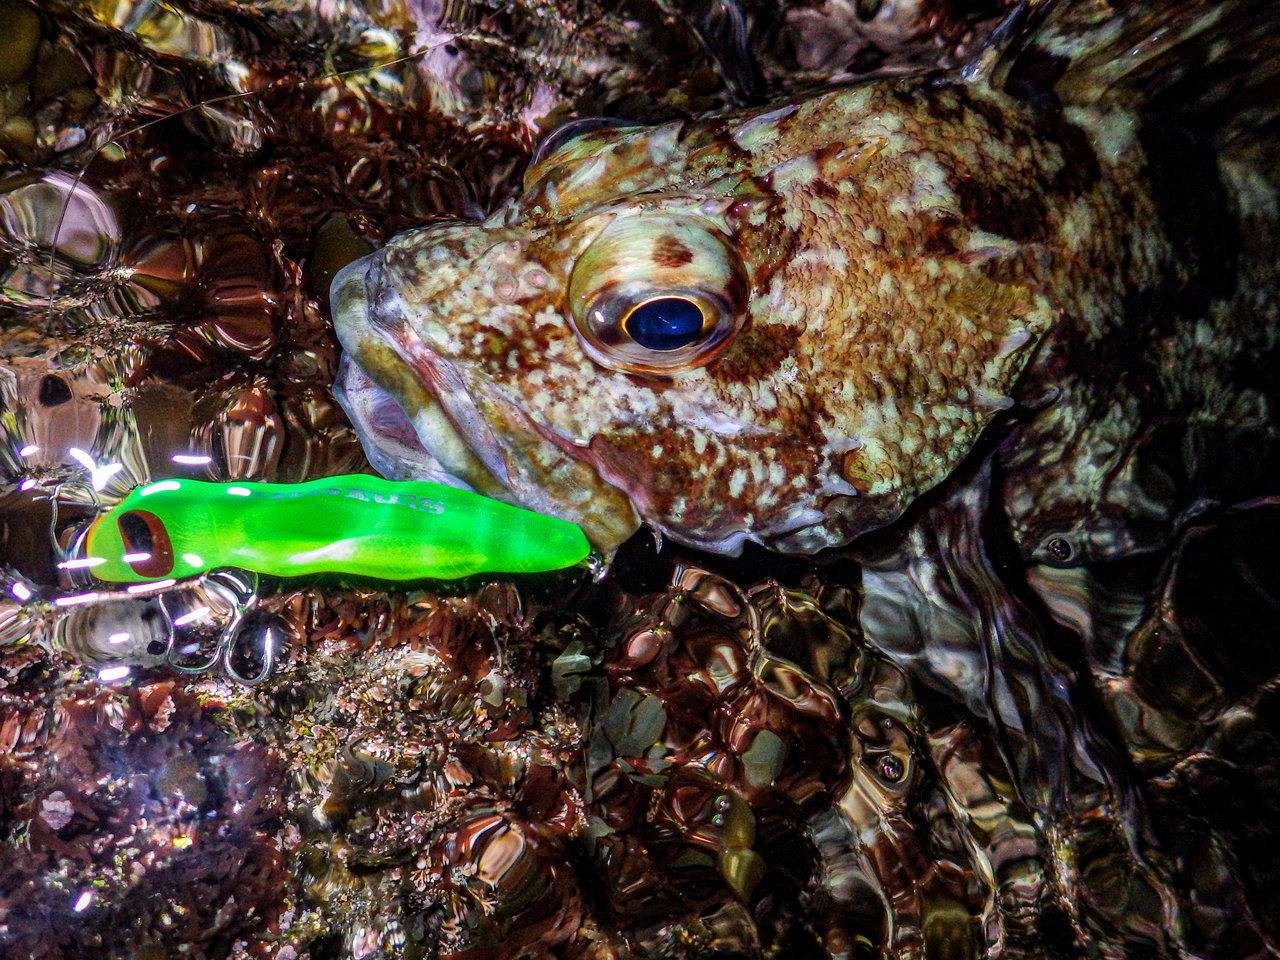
429,779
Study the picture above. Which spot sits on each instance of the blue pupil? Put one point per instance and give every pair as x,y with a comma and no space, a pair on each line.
666,324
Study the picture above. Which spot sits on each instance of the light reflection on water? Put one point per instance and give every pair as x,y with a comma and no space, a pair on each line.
919,752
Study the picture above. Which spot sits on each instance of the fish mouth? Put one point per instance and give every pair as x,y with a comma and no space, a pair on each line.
419,420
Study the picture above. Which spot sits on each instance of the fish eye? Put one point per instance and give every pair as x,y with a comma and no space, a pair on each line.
148,549
1059,549
639,330
666,323
573,129
657,295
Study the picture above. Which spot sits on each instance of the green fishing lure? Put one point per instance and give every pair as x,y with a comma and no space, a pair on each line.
356,524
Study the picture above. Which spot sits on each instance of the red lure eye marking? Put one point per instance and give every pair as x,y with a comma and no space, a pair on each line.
150,552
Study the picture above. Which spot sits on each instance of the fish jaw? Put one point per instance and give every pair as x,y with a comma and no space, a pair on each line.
417,444
440,434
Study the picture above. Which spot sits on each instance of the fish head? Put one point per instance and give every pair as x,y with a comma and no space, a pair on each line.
752,329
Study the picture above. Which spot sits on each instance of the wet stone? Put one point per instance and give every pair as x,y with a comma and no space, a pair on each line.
21,36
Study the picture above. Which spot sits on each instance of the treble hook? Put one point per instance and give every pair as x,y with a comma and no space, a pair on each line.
240,588
55,498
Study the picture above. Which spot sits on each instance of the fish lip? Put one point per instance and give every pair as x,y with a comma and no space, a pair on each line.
443,382
356,329
398,453
458,400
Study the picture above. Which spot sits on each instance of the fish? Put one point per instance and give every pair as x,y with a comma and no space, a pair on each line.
785,325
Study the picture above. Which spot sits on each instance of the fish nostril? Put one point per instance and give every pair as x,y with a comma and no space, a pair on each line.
505,287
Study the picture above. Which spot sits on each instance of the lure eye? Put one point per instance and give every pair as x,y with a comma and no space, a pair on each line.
149,552
657,294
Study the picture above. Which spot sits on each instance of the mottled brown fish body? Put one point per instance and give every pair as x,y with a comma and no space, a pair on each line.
1157,394
876,269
